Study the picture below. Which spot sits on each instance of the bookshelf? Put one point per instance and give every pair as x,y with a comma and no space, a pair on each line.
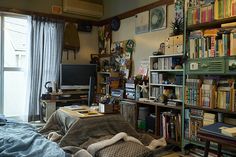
210,72
105,82
166,75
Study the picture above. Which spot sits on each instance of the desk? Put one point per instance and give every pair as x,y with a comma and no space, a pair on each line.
63,99
77,114
213,133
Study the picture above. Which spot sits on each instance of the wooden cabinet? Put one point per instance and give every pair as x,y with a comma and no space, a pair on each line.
129,111
65,98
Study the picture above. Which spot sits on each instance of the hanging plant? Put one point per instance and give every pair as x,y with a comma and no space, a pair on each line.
177,26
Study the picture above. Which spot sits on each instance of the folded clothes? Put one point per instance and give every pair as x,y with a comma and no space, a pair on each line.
3,120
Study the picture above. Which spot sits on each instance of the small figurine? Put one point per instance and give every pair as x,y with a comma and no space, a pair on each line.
161,50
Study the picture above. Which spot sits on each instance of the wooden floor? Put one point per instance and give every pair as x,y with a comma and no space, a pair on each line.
176,154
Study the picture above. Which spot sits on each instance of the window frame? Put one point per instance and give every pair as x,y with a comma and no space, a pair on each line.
2,68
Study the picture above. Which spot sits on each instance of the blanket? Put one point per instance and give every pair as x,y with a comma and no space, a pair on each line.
22,140
81,133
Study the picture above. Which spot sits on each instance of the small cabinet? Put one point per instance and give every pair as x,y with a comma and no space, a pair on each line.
128,111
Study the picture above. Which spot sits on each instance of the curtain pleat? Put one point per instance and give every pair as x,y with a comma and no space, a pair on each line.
45,56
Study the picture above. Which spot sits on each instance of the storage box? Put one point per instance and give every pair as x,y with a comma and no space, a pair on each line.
178,40
105,108
178,49
169,41
169,50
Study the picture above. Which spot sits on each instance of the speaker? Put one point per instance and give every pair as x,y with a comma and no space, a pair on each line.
91,90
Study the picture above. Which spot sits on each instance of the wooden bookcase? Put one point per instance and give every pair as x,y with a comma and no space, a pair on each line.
200,69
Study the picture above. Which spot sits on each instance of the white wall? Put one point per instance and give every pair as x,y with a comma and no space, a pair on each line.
88,45
116,7
146,43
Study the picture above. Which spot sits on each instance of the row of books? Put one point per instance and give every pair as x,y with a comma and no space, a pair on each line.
199,152
157,78
179,93
192,91
201,11
224,9
212,43
194,120
200,14
211,94
156,91
162,78
171,126
167,63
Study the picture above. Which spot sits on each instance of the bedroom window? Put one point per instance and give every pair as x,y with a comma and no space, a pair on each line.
14,65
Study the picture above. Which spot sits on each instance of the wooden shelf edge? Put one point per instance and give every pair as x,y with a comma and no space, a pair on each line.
209,109
213,24
202,144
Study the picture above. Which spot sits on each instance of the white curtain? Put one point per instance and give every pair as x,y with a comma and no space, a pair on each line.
45,56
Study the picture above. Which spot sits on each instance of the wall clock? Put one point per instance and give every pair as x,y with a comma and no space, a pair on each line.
158,18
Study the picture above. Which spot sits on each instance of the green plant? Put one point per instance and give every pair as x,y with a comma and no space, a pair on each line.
177,26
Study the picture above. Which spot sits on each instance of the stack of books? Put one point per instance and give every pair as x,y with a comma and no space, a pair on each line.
208,119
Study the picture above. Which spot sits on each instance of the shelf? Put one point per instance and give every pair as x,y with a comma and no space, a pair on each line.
170,55
168,70
213,24
166,85
104,83
176,100
171,141
159,104
104,73
212,110
66,100
212,147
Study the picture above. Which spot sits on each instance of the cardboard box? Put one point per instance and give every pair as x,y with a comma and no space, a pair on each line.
169,50
169,41
106,108
178,49
178,40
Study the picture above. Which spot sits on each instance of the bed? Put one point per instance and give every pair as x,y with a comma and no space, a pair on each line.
63,135
19,139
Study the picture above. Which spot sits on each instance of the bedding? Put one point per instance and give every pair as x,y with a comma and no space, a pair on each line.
22,140
76,135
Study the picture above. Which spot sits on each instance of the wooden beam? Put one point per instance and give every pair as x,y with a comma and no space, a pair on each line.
92,22
137,10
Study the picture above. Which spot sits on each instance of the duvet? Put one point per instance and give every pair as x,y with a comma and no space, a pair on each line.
22,140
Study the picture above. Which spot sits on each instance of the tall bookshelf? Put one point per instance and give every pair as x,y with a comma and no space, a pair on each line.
210,71
166,75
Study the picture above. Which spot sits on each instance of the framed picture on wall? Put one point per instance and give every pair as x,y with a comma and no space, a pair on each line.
158,18
142,22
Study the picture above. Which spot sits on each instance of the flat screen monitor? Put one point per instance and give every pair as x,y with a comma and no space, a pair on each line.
77,76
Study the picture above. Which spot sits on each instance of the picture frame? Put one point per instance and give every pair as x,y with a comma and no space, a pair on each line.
142,22
158,18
